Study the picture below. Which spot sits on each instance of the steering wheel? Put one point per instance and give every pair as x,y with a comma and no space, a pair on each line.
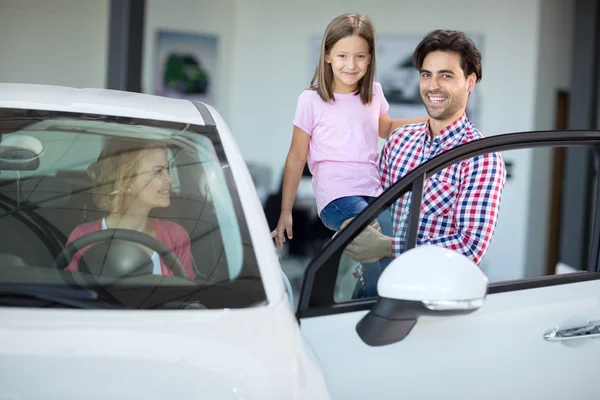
128,235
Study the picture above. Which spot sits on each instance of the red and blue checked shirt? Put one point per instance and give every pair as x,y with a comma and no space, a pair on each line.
460,205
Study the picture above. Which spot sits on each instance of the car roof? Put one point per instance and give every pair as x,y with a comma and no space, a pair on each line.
98,101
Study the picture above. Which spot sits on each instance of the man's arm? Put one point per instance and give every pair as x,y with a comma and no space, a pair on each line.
477,207
396,242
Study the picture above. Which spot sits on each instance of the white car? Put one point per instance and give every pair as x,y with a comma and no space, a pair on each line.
439,329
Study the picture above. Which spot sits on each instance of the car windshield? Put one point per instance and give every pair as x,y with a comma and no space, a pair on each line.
110,212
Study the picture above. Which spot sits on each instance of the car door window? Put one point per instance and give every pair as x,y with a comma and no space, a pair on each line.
457,209
511,234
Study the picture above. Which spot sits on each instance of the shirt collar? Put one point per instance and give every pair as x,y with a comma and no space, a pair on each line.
449,134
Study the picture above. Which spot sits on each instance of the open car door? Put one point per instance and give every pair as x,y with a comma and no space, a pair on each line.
439,329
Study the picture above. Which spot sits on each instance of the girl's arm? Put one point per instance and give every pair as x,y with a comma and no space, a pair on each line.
294,165
388,125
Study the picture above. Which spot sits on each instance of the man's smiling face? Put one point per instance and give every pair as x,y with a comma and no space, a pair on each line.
444,87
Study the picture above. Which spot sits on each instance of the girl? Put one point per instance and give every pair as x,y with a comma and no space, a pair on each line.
336,126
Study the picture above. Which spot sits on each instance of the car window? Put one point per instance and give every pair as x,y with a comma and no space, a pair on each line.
483,207
65,178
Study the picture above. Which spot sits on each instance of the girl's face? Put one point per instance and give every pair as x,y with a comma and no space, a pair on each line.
349,59
151,186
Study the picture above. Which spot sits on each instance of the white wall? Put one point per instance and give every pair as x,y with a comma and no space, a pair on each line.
197,16
271,53
553,74
61,42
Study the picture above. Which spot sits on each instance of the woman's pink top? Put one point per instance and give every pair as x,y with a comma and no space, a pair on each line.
170,233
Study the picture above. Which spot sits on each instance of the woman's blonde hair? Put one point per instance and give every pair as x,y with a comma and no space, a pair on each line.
339,28
116,166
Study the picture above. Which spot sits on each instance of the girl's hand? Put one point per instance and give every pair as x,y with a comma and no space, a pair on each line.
283,226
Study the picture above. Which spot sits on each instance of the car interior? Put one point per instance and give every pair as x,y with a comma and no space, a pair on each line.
41,204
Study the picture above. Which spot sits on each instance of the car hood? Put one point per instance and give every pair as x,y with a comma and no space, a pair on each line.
255,353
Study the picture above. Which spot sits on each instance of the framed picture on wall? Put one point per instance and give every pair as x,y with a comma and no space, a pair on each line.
398,78
186,65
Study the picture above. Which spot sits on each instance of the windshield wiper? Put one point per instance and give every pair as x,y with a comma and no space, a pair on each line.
74,298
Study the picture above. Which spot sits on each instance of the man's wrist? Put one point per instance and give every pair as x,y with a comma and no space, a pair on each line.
386,246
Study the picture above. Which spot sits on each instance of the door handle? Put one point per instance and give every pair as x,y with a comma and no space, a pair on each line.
589,331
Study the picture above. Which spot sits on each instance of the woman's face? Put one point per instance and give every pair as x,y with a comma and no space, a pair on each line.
151,186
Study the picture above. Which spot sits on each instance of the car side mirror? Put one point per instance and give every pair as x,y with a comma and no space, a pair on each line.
426,280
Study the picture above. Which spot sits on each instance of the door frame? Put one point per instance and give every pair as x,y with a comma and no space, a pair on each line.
317,300
558,162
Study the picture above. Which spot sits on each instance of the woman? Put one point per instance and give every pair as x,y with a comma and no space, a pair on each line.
130,179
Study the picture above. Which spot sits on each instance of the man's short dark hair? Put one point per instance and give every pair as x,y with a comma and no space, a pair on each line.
451,41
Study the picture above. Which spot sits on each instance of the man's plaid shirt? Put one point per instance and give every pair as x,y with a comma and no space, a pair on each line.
460,205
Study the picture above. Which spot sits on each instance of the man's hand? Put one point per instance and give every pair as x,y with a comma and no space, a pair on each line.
374,224
370,245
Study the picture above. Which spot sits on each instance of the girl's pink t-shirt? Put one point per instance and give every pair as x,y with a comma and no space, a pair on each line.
343,149
173,235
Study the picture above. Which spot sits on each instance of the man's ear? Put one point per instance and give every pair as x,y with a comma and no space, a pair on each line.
471,79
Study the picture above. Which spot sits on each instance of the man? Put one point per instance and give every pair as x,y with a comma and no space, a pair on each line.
460,204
